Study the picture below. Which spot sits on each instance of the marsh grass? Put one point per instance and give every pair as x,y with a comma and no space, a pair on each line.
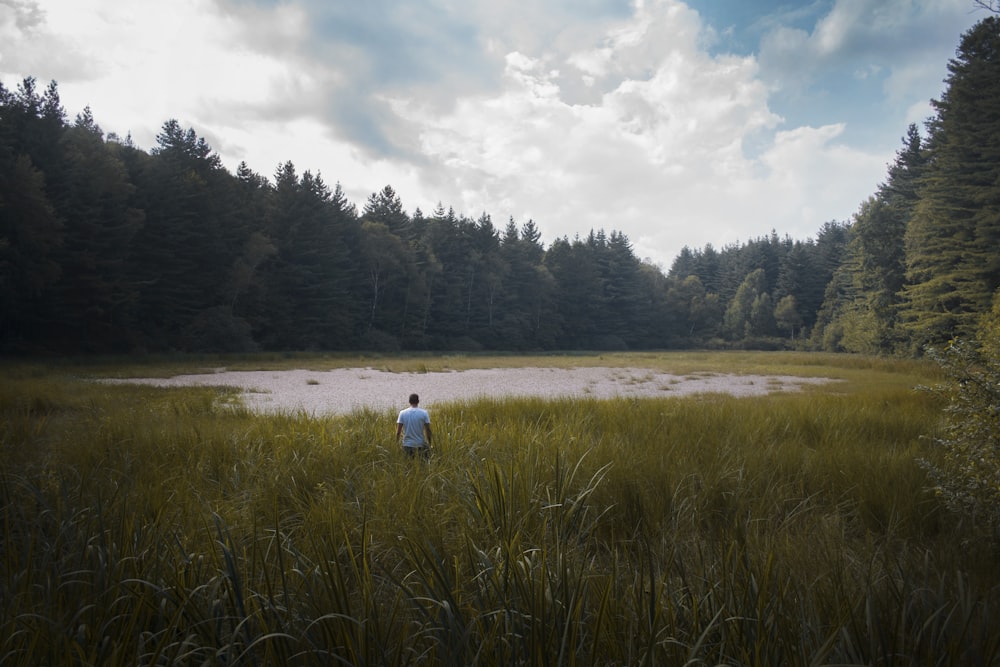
692,363
171,526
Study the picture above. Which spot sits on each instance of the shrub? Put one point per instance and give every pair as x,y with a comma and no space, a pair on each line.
967,475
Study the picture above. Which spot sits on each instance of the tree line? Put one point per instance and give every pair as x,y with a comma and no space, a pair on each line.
105,247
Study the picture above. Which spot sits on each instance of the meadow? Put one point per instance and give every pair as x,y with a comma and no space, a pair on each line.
171,526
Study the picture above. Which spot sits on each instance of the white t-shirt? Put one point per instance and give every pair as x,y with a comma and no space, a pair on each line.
413,420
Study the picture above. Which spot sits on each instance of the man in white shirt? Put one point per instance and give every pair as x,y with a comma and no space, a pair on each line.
413,426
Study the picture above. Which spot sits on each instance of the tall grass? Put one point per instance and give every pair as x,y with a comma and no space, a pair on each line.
163,526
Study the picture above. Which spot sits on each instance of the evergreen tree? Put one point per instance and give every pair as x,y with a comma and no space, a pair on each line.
878,261
32,124
828,269
799,278
901,189
952,266
828,332
31,231
661,322
875,257
89,305
524,315
386,207
684,265
709,270
384,259
397,290
191,237
308,302
577,284
626,305
485,244
450,265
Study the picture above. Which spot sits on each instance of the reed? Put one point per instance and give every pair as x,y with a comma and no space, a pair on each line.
170,526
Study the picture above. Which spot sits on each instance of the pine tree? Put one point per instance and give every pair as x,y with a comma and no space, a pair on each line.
952,265
627,306
30,233
573,267
832,267
879,235
526,290
308,276
191,236
799,278
89,304
31,230
386,207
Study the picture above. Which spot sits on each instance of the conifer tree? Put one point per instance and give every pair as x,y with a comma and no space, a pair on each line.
89,303
386,207
31,230
878,241
573,268
952,263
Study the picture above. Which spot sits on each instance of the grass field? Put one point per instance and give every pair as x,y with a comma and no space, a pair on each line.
151,526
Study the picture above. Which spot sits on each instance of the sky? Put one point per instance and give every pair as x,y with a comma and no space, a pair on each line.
676,123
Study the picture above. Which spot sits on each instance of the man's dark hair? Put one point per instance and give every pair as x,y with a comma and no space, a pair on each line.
414,399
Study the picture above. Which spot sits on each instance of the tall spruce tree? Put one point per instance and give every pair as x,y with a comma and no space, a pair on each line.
89,303
526,290
31,230
799,279
183,252
879,233
952,263
305,300
386,207
627,307
573,267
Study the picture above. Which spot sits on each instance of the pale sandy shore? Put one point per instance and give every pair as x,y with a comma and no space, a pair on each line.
344,390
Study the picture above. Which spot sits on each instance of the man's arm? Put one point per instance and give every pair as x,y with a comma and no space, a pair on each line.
427,434
399,430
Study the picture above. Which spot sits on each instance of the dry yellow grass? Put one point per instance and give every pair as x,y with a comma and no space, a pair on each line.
156,526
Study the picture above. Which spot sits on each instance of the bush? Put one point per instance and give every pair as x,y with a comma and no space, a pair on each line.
967,476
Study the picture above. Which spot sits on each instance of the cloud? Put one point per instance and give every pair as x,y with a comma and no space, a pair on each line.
341,60
902,44
26,38
621,114
660,156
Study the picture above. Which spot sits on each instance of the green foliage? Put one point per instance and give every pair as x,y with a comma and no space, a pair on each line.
168,526
105,248
952,262
861,309
750,312
786,315
967,472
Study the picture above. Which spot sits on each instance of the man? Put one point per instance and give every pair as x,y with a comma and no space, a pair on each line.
414,426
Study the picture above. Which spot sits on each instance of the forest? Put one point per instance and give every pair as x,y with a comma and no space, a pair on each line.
107,248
